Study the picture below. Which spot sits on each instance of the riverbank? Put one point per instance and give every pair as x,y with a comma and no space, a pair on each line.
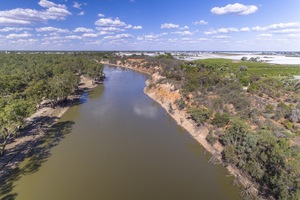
166,96
36,127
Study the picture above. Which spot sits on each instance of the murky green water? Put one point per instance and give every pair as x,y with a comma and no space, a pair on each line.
121,145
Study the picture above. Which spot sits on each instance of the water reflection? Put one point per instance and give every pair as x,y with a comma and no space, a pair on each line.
148,111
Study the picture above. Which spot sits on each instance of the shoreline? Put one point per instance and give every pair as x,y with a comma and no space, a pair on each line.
34,130
199,134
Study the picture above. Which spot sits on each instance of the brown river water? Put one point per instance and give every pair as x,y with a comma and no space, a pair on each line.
118,144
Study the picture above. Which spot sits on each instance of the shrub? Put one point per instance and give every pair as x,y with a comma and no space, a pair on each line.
221,120
199,115
269,108
211,139
180,104
245,81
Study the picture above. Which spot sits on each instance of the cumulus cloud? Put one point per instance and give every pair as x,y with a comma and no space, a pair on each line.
51,29
265,35
236,8
16,29
101,15
221,30
277,26
245,29
83,30
90,35
77,5
21,16
221,37
73,37
137,27
289,30
119,36
110,22
184,28
169,26
183,33
81,13
49,4
201,22
151,37
110,29
14,36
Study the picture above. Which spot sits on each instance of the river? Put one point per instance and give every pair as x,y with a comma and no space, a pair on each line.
118,144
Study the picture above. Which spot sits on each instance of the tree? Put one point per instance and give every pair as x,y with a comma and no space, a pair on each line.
11,120
199,115
61,86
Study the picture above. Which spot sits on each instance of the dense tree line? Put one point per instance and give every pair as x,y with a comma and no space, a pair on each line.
27,79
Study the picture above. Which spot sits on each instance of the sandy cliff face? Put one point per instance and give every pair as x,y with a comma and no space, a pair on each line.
164,92
165,95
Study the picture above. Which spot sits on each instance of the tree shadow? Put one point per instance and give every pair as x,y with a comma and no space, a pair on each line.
34,153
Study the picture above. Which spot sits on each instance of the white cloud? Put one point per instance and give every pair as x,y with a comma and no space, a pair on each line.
277,26
221,37
137,27
119,36
90,35
183,33
151,37
245,29
294,35
110,29
20,16
14,36
236,8
52,29
8,22
101,15
83,30
128,26
110,22
287,31
16,29
105,33
221,30
73,37
265,35
81,13
169,26
77,5
49,4
201,22
184,28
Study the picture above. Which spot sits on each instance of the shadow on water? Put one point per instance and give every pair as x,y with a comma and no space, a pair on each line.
39,152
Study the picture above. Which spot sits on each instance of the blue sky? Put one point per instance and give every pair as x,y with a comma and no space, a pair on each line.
241,25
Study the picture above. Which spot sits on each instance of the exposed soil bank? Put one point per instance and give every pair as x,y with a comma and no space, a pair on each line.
166,96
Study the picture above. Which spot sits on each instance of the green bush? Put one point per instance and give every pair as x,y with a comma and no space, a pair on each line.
199,115
220,120
211,139
180,104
